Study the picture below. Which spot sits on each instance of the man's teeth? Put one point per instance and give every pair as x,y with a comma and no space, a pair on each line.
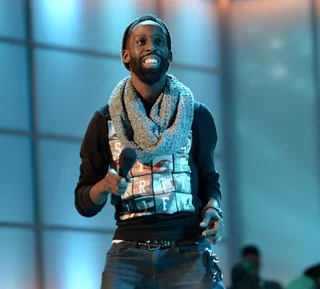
151,60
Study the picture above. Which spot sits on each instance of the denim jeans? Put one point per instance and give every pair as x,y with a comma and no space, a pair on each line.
177,267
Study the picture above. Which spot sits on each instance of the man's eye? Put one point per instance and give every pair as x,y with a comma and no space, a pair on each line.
160,41
140,41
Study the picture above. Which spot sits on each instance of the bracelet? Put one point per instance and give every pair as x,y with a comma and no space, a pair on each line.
218,210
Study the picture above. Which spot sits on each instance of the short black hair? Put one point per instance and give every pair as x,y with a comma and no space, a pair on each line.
313,272
135,22
250,250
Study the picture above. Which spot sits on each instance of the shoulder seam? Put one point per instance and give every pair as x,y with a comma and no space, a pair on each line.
104,112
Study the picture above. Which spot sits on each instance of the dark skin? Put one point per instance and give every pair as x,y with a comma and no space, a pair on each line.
253,259
148,39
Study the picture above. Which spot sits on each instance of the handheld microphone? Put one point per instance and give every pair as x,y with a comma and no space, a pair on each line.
127,158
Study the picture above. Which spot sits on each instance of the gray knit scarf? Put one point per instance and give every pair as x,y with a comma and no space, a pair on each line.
165,131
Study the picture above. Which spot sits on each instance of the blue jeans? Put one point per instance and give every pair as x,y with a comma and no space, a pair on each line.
177,267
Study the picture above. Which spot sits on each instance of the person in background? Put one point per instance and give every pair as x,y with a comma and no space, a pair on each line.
252,255
244,275
309,280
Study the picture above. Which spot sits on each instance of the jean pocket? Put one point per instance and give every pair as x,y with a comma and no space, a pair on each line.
118,249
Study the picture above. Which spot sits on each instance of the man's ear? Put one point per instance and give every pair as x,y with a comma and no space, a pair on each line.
125,56
170,56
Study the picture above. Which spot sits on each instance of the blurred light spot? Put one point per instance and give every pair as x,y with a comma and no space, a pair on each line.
276,43
64,9
61,17
278,71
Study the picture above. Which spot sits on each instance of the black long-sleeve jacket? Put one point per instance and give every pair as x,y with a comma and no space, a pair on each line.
97,159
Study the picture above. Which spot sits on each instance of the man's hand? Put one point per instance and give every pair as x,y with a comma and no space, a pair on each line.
111,183
213,223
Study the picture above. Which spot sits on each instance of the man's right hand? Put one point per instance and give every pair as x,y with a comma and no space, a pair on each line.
111,183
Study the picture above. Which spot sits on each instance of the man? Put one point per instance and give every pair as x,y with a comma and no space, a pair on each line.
309,280
244,275
251,254
168,208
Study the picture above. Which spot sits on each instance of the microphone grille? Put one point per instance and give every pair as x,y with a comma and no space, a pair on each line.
127,158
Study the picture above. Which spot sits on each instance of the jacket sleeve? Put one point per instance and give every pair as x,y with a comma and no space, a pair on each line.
94,154
208,177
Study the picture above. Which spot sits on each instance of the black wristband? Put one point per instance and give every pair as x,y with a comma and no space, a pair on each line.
218,210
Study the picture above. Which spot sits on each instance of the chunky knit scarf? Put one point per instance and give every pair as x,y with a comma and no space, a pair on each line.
164,131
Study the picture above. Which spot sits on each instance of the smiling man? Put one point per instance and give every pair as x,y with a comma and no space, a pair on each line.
149,66
168,207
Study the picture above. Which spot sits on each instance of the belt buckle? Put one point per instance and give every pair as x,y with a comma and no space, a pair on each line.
154,248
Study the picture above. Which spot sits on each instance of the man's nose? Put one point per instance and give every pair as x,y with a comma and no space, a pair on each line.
151,46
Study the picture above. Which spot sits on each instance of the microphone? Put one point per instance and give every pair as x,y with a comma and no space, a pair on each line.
127,158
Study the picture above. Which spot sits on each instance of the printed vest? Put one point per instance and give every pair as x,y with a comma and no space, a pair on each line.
162,186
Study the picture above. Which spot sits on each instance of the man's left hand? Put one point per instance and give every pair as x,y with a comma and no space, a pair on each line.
214,225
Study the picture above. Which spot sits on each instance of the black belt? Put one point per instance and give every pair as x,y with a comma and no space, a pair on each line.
161,244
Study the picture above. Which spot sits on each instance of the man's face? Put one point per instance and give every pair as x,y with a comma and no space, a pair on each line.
253,259
147,52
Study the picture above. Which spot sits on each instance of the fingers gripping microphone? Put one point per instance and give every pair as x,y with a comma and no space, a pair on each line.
127,158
